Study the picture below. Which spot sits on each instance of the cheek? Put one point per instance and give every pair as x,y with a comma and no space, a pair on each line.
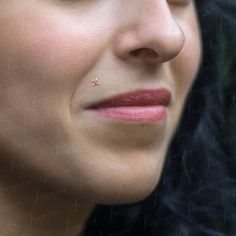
43,56
62,49
52,44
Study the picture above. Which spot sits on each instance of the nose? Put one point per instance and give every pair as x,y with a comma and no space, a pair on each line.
152,35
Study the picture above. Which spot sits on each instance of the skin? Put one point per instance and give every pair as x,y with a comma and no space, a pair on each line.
57,159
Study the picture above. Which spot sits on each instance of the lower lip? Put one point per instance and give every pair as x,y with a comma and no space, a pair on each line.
134,113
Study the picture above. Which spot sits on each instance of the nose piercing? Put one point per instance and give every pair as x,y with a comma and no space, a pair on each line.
95,82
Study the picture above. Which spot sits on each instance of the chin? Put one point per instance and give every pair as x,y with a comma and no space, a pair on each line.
127,193
125,183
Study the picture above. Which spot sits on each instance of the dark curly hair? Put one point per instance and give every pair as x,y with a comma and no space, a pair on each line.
196,193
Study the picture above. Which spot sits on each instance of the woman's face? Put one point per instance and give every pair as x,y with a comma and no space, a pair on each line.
51,50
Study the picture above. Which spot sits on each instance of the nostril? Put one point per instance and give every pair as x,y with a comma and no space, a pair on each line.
144,52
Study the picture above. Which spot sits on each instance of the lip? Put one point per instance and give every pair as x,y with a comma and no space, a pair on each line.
139,105
151,97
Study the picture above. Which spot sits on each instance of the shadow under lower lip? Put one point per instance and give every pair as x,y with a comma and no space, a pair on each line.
134,113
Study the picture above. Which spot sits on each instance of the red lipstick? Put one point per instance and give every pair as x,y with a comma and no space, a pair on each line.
140,105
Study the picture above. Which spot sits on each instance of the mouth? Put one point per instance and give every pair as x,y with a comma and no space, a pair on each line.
140,105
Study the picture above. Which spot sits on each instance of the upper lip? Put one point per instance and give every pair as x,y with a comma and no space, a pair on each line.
150,97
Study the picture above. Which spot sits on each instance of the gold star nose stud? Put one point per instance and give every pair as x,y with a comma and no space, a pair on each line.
95,82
